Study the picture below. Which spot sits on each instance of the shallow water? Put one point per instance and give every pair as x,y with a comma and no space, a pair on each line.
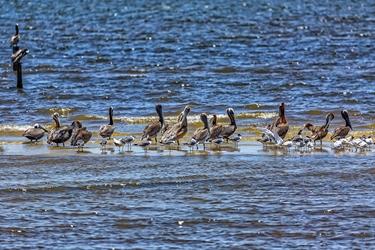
315,56
236,201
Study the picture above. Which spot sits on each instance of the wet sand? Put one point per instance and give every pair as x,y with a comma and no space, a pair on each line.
93,148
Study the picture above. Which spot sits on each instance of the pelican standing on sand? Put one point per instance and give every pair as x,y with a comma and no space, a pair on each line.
228,130
59,134
280,122
319,132
215,130
178,130
34,133
16,38
343,131
80,133
106,131
152,129
200,135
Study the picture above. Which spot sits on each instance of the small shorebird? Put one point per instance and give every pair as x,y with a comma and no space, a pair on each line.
144,144
218,141
80,143
34,133
106,131
191,143
15,39
337,144
119,143
129,140
59,134
236,139
152,129
343,131
103,143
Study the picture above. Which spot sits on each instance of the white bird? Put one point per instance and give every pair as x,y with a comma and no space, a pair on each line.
268,135
287,144
236,139
144,144
80,143
368,140
337,144
218,141
191,143
103,142
129,140
119,142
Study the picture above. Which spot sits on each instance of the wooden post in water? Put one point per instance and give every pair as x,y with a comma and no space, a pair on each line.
17,56
19,75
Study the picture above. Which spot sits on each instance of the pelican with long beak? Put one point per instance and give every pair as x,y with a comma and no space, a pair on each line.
59,134
81,133
215,129
16,38
200,135
106,131
34,133
18,55
228,130
178,130
280,122
343,131
152,129
319,132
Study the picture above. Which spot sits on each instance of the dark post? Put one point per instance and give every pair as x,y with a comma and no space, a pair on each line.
19,75
15,49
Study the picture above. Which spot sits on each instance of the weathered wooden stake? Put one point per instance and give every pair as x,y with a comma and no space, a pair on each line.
19,75
15,49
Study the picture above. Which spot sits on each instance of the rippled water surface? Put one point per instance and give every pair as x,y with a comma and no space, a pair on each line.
315,56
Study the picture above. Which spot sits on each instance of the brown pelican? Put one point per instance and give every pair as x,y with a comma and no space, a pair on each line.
200,135
15,39
215,129
280,122
80,133
34,133
106,131
319,132
59,134
152,129
343,131
228,130
178,130
18,55
168,126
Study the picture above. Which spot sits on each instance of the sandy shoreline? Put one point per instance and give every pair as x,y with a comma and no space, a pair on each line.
93,148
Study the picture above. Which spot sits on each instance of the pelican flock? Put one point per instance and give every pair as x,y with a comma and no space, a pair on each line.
218,135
